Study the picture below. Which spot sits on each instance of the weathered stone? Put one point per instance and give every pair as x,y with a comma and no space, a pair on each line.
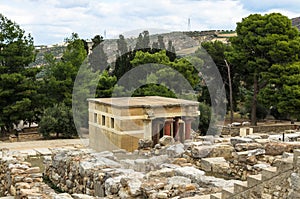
162,195
180,161
13,190
266,196
30,192
277,148
216,165
33,170
17,171
145,143
256,152
156,161
201,151
222,150
18,178
35,175
18,166
81,196
190,187
166,140
28,180
179,180
134,186
141,165
237,140
247,146
22,185
112,186
164,172
190,172
295,182
175,150
63,196
261,166
69,184
253,136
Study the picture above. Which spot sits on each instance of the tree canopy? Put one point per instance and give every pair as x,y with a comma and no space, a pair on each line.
262,41
18,86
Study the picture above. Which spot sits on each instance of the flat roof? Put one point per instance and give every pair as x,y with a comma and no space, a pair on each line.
147,101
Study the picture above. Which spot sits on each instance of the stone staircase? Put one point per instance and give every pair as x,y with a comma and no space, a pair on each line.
255,180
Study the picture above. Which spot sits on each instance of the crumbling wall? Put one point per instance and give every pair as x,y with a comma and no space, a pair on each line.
279,182
235,131
19,179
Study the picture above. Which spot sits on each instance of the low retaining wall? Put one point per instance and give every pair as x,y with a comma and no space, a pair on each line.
19,179
22,181
25,136
29,136
269,129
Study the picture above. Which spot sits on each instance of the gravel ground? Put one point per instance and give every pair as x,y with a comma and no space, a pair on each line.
42,144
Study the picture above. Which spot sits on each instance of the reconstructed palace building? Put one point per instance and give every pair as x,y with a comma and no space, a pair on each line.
116,123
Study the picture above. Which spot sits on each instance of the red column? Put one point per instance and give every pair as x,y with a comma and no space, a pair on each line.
167,127
188,127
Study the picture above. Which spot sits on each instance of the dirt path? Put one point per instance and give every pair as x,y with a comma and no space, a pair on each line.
42,144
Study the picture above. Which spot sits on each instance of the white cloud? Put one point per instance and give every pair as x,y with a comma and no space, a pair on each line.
50,21
266,5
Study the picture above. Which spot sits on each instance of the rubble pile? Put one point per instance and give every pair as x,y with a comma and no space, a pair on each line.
232,167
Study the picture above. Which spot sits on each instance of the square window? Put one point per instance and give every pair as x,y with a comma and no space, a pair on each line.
103,120
112,122
95,117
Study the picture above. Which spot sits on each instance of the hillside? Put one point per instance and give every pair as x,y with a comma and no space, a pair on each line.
296,22
182,44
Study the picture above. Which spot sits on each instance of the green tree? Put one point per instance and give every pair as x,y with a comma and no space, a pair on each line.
18,86
183,66
57,120
217,50
283,90
60,74
258,43
105,85
98,58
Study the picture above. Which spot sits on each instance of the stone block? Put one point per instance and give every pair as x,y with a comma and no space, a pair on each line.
190,172
247,146
216,165
201,151
33,170
277,148
222,150
237,140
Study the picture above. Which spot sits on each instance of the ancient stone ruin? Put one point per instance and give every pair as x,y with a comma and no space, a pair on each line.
253,166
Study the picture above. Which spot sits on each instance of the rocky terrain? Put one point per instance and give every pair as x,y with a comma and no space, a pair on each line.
204,167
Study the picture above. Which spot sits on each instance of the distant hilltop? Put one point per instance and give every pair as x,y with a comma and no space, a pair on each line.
181,46
296,22
201,36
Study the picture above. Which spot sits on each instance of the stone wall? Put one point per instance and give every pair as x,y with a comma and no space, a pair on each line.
148,173
281,181
19,179
269,129
22,181
29,136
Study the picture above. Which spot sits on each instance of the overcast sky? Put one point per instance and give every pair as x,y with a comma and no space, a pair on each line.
50,21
